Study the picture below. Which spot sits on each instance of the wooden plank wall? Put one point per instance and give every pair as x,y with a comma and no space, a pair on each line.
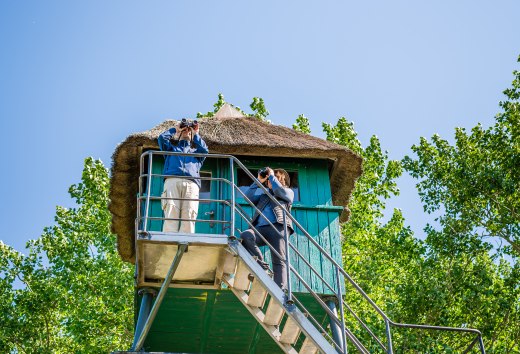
314,211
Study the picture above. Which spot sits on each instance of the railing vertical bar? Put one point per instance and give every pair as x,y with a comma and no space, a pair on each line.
139,206
148,191
140,193
472,344
481,344
232,211
287,257
390,349
351,336
341,313
313,320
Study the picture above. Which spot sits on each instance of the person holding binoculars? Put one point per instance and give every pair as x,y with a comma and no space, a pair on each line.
278,182
181,193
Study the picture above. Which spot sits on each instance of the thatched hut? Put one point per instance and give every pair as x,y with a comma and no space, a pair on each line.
229,132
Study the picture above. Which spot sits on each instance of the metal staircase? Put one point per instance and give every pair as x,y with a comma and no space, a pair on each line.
217,260
233,265
252,285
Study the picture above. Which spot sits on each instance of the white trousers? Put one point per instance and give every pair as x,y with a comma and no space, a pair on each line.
180,209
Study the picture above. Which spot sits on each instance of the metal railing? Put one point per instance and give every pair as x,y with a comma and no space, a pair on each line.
342,278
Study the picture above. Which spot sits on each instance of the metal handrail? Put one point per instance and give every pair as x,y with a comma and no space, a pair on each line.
315,321
339,297
337,267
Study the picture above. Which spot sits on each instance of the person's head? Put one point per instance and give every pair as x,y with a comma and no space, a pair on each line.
185,134
282,176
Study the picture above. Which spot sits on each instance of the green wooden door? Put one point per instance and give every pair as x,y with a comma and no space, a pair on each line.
209,210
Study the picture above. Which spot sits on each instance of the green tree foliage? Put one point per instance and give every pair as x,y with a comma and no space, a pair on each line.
259,109
257,106
475,183
216,106
378,254
302,124
424,282
71,292
473,188
464,290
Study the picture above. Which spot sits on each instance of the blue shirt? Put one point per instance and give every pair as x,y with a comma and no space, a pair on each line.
278,190
175,165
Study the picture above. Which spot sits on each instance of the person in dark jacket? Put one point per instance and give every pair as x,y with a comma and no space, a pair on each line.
181,139
278,182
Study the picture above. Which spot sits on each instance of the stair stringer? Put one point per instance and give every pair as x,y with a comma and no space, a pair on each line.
311,332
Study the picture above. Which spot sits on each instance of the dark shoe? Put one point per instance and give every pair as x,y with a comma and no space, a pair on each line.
269,272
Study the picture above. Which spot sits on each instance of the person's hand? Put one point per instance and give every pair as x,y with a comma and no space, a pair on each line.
177,131
270,172
262,179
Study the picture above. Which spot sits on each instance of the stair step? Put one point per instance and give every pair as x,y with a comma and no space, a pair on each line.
290,332
257,295
242,281
276,309
228,262
260,316
308,347
274,313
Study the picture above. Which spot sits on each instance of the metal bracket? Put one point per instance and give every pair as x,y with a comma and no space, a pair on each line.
143,291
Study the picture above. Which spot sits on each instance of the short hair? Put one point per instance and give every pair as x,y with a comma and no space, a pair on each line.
286,179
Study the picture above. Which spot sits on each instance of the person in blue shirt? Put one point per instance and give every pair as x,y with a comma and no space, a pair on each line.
278,182
181,193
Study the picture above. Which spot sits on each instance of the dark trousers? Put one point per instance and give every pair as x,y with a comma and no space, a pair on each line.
252,241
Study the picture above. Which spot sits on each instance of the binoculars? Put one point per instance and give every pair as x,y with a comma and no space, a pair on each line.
263,172
188,123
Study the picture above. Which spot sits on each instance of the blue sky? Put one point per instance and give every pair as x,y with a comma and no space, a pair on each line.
77,77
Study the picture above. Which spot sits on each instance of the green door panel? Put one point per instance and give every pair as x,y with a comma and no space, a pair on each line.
209,210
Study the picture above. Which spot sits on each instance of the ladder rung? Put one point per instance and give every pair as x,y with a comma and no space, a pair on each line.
308,347
290,331
241,281
257,295
274,313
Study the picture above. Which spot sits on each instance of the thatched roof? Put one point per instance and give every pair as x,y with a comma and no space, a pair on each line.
226,135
